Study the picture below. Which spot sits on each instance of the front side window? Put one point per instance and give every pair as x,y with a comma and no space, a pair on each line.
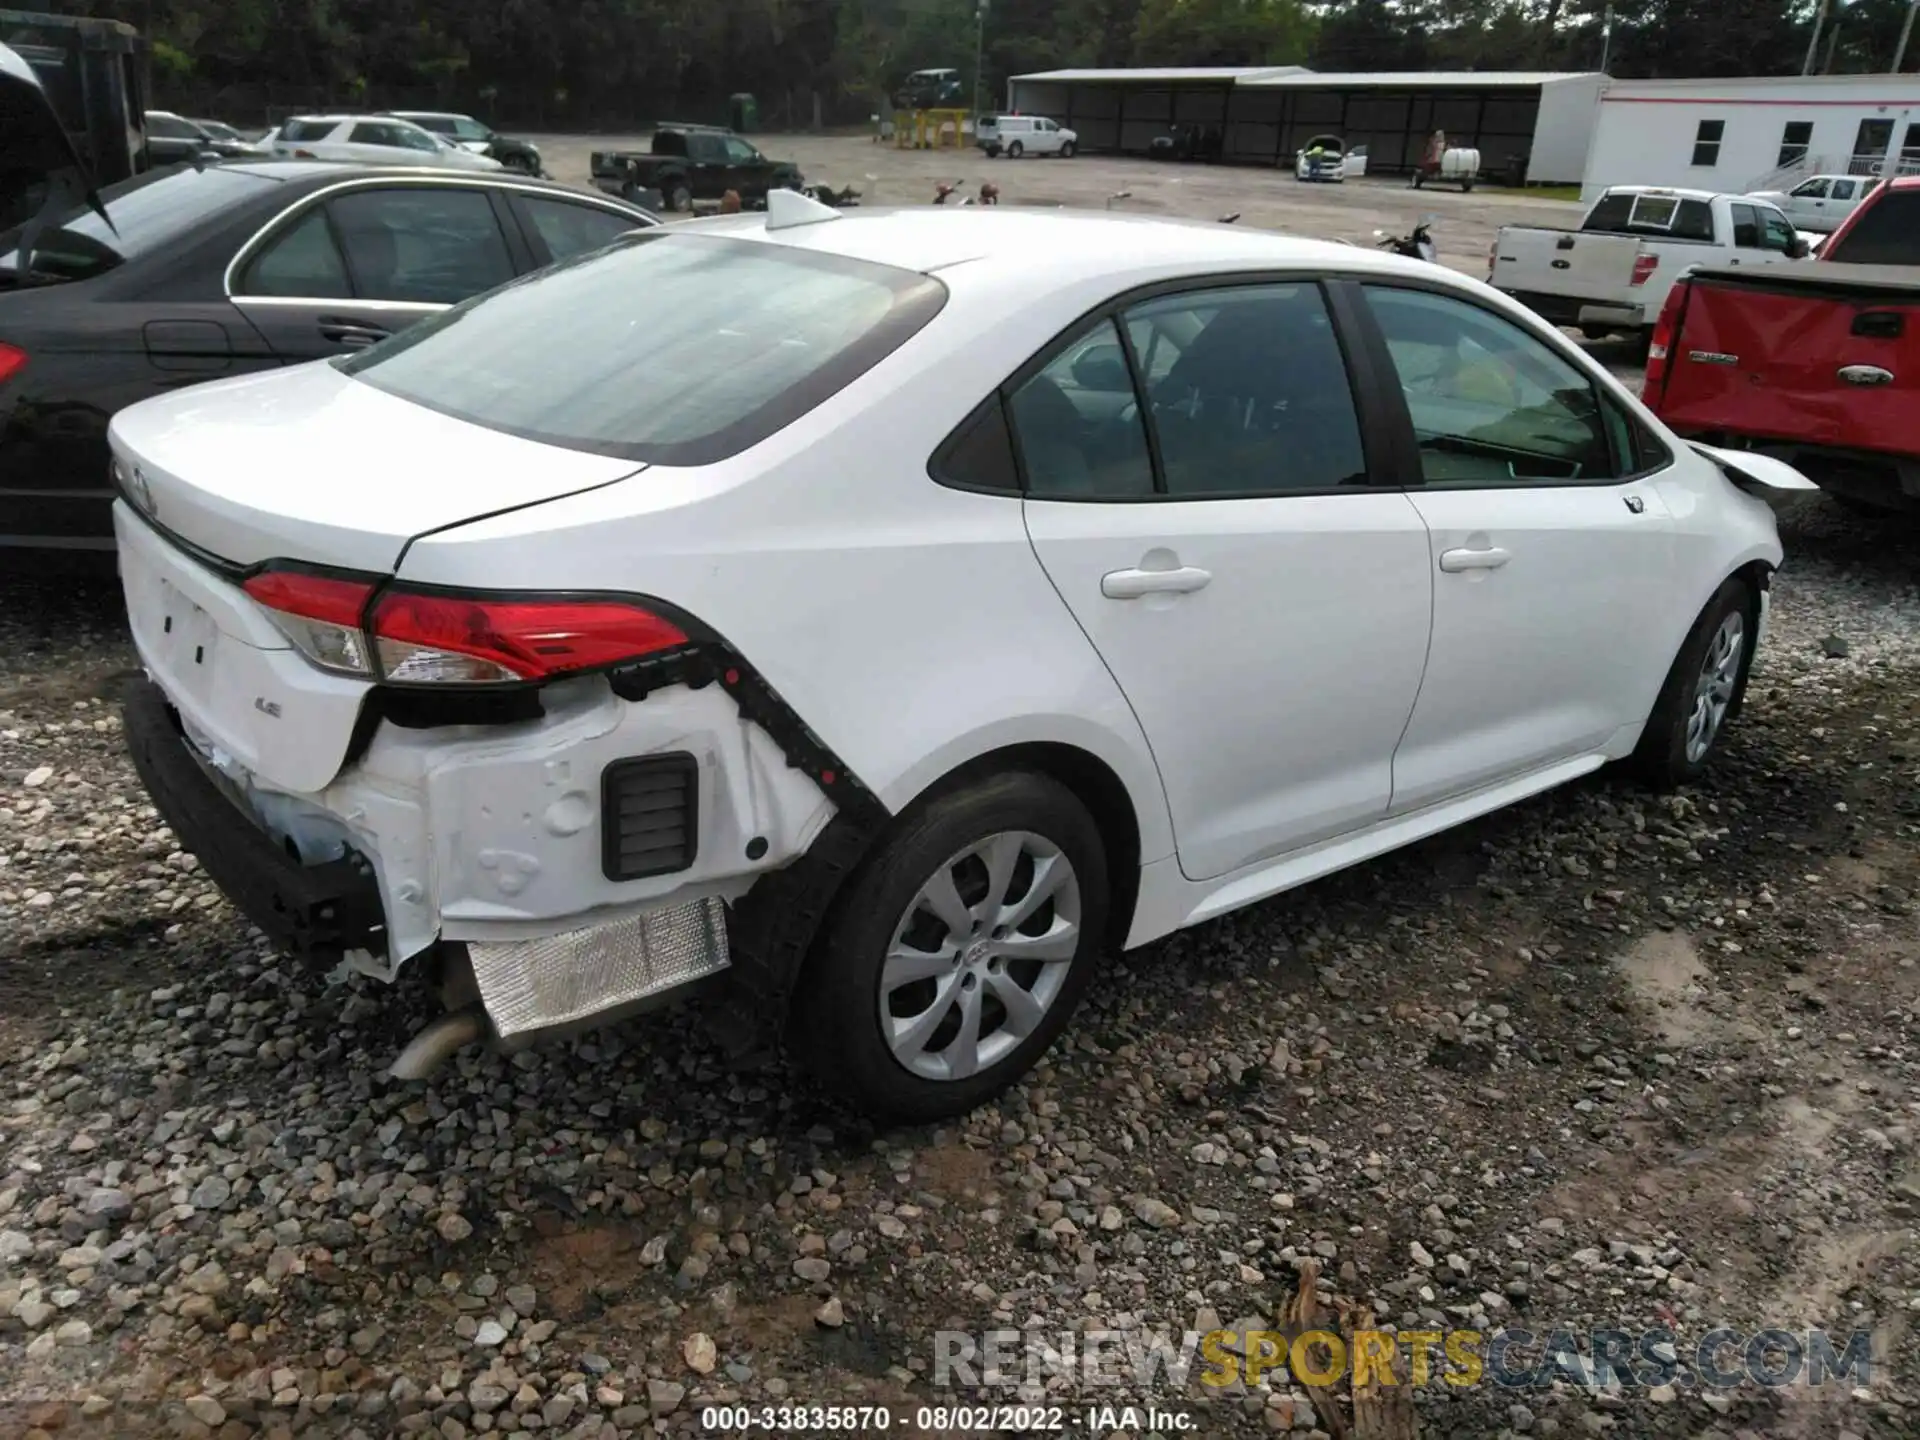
368,133
465,129
408,138
439,124
1813,190
1247,392
741,153
1491,405
427,244
1706,142
1775,233
670,349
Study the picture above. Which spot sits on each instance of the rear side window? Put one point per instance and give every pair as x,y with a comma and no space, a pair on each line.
299,131
668,349
303,263
434,244
1886,232
568,229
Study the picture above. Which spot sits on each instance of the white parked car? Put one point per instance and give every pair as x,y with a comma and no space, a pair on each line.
1017,135
876,616
372,140
1820,203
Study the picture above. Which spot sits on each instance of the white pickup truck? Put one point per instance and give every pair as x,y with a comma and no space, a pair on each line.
1612,275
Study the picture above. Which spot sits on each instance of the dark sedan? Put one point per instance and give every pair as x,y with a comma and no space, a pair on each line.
235,267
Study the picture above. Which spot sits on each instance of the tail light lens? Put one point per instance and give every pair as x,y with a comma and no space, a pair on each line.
320,615
1660,349
416,638
454,640
1643,268
305,155
12,361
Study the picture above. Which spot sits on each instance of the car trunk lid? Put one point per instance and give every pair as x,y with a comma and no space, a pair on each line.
1821,354
313,466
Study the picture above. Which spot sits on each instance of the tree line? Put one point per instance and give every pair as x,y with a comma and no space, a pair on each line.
588,64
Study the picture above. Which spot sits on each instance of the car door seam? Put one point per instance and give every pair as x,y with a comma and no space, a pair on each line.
1426,659
1146,739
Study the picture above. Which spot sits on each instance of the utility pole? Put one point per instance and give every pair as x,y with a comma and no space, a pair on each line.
1606,36
979,53
1906,34
1813,44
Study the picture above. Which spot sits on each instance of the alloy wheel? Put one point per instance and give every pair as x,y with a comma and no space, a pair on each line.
980,956
1714,687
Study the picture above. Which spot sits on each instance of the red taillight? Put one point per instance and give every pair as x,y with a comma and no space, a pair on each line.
312,597
1660,348
453,639
12,361
417,638
1643,268
320,614
305,155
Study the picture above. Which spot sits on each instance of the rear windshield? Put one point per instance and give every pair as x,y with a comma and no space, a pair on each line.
148,212
297,130
1656,215
670,349
1887,232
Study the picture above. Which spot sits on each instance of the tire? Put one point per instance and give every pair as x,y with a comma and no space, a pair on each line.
1702,692
1016,150
679,196
1419,179
1466,187
1066,150
924,1072
993,152
519,164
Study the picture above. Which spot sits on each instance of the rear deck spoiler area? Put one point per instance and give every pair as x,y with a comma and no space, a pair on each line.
1754,473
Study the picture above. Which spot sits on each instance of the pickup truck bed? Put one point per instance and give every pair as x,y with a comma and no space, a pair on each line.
1816,364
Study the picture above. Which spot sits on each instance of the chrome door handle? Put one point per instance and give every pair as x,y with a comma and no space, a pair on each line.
1454,561
1132,584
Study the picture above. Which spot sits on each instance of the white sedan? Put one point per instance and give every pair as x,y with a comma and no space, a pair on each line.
372,140
871,618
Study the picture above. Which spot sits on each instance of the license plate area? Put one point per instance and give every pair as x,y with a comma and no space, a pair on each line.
186,637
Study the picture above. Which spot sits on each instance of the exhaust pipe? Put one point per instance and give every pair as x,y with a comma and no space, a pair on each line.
437,1042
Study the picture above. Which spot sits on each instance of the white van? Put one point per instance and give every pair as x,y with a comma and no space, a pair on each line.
1017,135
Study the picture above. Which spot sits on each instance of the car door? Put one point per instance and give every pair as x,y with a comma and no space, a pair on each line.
1840,202
1807,202
1552,550
746,168
1261,602
1746,235
354,267
558,228
1777,235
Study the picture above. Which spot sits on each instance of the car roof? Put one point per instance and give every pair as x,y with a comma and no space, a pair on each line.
322,170
429,114
1072,244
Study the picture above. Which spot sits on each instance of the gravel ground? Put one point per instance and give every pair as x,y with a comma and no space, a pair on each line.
1607,1059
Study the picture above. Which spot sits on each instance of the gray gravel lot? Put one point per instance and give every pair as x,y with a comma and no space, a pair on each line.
1606,1060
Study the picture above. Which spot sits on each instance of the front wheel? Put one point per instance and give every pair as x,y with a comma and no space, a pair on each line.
1066,150
958,951
679,197
1702,690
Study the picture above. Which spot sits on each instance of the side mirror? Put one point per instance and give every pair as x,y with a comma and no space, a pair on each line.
1799,248
1103,369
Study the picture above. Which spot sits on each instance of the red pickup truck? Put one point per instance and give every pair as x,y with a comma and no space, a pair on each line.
1817,364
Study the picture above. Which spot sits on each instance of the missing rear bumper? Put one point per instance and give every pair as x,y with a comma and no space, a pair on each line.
537,989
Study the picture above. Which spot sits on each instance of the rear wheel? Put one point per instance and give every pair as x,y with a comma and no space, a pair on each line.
520,164
957,952
1702,690
1016,150
679,197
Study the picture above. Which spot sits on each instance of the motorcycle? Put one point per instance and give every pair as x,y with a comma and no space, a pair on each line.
1415,246
989,194
827,195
